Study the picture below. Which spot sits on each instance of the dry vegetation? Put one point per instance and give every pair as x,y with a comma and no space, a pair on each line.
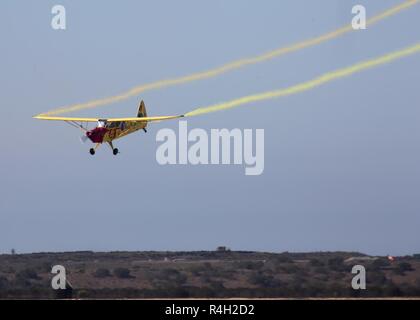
208,274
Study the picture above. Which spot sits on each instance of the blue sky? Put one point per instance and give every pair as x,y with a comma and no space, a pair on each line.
342,162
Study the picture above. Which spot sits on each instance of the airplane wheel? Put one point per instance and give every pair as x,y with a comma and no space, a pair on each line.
115,151
92,151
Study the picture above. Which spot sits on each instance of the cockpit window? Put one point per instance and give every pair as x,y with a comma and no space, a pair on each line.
114,125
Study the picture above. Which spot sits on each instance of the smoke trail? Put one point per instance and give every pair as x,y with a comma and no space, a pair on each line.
328,77
230,66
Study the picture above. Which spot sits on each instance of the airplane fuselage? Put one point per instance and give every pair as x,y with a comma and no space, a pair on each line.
113,131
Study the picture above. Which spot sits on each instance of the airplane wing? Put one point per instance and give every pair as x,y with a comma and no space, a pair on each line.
144,119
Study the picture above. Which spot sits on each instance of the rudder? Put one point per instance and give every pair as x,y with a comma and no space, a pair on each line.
142,110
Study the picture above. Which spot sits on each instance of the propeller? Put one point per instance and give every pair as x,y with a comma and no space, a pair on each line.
83,138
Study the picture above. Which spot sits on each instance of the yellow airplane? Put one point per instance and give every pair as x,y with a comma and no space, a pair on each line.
108,130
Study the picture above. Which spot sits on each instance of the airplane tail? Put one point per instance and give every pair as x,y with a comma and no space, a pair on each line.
142,113
142,110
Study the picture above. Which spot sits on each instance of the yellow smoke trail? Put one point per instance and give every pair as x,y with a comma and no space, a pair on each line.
328,77
230,66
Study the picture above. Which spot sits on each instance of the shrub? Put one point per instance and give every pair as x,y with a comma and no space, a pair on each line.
316,263
249,265
264,281
283,259
405,266
380,263
102,273
8,270
169,272
4,283
377,279
27,274
321,270
181,279
391,290
82,294
336,264
289,268
122,273
402,268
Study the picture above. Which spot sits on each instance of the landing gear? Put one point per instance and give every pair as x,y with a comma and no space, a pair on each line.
92,151
115,151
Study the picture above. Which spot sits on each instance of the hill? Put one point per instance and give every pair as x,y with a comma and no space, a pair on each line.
208,274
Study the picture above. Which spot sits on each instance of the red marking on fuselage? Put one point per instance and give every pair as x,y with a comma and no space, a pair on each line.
97,135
